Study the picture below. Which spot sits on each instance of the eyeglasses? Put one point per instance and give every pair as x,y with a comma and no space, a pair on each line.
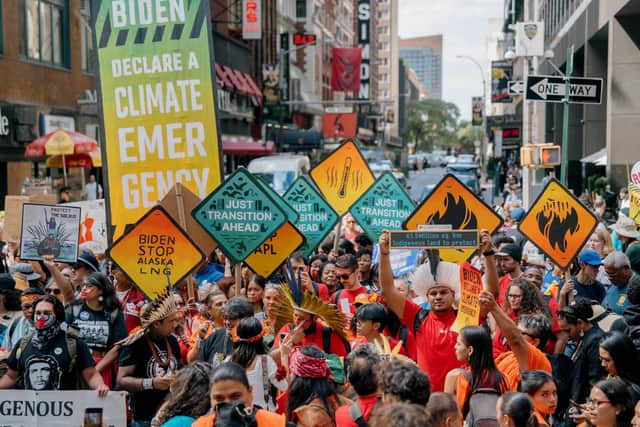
344,276
180,304
514,296
54,291
595,403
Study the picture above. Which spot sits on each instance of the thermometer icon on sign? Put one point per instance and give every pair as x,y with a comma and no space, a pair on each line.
342,192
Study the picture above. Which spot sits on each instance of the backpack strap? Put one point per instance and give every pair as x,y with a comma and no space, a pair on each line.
326,339
265,380
356,415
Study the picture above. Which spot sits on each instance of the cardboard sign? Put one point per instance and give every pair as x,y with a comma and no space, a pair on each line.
155,253
468,306
316,218
558,224
239,215
50,230
436,239
156,91
343,177
13,213
384,206
93,225
270,255
178,203
451,202
37,408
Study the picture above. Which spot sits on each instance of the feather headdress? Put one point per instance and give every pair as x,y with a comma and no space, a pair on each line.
293,297
159,309
389,353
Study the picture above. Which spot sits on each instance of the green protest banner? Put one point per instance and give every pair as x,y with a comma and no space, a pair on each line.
316,219
156,88
384,206
239,215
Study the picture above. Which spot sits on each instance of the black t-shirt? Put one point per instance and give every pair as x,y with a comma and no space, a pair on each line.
98,329
48,369
145,403
216,348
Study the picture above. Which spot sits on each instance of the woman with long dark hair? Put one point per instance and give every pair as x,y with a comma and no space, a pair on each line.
543,392
254,293
609,405
231,401
619,358
250,352
184,402
99,319
515,410
312,397
474,346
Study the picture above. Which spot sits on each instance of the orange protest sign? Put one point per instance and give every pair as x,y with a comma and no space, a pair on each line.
452,203
337,125
155,252
274,251
470,288
558,224
343,177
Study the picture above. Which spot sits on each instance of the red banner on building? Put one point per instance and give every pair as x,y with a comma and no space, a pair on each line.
345,75
339,125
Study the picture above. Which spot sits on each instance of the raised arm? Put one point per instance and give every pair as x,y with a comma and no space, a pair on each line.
395,300
490,270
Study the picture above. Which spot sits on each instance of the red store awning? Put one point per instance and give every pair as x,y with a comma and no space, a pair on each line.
233,80
246,146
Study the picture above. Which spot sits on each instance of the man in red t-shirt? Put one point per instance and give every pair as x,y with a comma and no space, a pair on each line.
347,272
434,338
361,366
509,257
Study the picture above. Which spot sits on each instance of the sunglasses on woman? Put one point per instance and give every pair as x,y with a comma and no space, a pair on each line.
54,291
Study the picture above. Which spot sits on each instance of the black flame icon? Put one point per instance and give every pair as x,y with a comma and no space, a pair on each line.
556,221
455,212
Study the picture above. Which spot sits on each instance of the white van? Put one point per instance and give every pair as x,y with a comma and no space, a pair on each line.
280,170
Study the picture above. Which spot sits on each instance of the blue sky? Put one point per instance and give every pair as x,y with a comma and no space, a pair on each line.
464,26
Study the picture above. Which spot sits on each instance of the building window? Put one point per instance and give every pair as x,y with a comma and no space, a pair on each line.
301,8
86,37
45,35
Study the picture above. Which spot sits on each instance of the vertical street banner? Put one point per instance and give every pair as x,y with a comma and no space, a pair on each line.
477,111
501,75
364,43
345,69
470,288
284,66
156,87
251,19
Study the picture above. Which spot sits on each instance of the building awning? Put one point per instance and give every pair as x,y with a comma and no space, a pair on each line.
236,81
247,146
599,158
254,89
220,73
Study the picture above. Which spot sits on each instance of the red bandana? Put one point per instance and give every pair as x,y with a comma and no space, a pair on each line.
305,366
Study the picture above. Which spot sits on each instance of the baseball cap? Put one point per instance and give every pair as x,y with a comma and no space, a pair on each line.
512,250
517,214
591,257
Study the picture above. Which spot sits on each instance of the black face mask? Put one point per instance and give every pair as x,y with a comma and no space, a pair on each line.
235,414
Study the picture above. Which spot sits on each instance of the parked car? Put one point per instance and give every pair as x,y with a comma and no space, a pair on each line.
468,173
466,158
280,170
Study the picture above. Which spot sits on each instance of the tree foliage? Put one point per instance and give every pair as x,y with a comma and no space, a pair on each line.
432,123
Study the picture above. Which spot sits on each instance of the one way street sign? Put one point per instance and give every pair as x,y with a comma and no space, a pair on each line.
552,89
516,87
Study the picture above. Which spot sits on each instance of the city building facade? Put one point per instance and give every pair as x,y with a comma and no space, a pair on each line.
424,55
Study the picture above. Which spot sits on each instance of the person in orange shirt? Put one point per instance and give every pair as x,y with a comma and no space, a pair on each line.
541,388
523,339
232,401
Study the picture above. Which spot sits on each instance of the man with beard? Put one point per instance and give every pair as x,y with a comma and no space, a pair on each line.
50,358
435,341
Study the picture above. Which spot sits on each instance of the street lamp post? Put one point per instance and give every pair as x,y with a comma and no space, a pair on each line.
484,105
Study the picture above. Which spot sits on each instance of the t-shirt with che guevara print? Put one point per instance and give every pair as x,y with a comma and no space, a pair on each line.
48,368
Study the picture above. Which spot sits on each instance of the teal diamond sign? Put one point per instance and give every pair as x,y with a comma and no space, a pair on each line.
239,215
292,215
384,206
316,217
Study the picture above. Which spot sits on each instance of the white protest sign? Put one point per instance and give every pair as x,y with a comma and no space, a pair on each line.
93,225
50,230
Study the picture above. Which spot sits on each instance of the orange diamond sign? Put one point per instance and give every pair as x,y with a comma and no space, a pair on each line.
343,177
275,250
558,223
452,203
155,253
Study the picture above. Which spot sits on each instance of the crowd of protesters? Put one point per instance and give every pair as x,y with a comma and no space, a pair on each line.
336,339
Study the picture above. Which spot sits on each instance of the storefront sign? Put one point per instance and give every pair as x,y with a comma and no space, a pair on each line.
155,253
158,109
4,123
51,123
239,215
364,42
316,217
384,206
251,19
32,408
50,230
468,306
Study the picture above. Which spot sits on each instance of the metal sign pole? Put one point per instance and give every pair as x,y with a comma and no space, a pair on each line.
565,119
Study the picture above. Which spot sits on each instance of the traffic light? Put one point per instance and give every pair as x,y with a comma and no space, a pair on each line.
540,156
